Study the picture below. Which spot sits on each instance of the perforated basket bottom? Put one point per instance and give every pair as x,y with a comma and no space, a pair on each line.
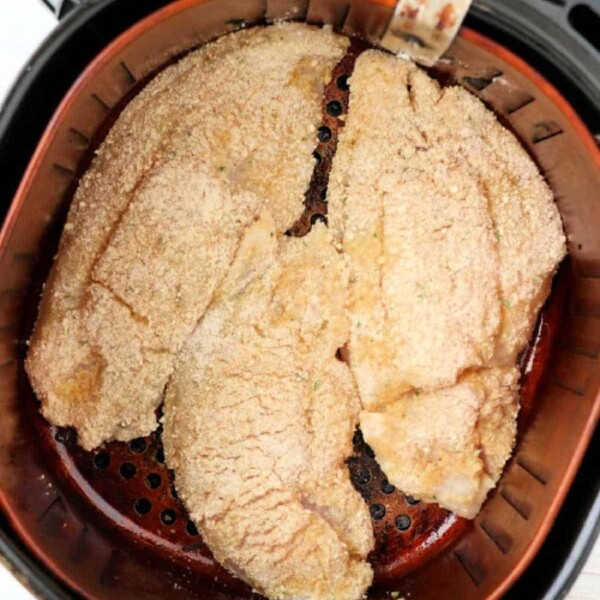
128,486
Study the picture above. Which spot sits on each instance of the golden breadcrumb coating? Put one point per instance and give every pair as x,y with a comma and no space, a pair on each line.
259,419
155,223
448,446
452,237
526,221
418,234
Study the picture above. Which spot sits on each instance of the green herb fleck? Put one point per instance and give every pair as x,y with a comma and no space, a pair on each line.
506,302
221,168
316,385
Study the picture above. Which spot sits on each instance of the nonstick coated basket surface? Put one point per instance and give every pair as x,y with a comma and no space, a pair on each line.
110,523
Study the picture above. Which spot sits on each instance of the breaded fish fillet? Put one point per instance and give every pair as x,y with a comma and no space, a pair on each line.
156,221
465,241
448,446
418,234
259,418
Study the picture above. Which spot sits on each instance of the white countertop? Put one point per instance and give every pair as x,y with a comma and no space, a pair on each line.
23,25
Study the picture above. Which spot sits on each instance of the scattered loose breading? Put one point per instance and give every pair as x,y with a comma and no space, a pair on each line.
155,223
259,419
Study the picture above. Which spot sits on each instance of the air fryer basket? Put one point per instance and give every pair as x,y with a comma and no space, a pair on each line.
110,524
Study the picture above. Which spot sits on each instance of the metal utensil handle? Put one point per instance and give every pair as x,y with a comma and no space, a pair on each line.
61,8
424,29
